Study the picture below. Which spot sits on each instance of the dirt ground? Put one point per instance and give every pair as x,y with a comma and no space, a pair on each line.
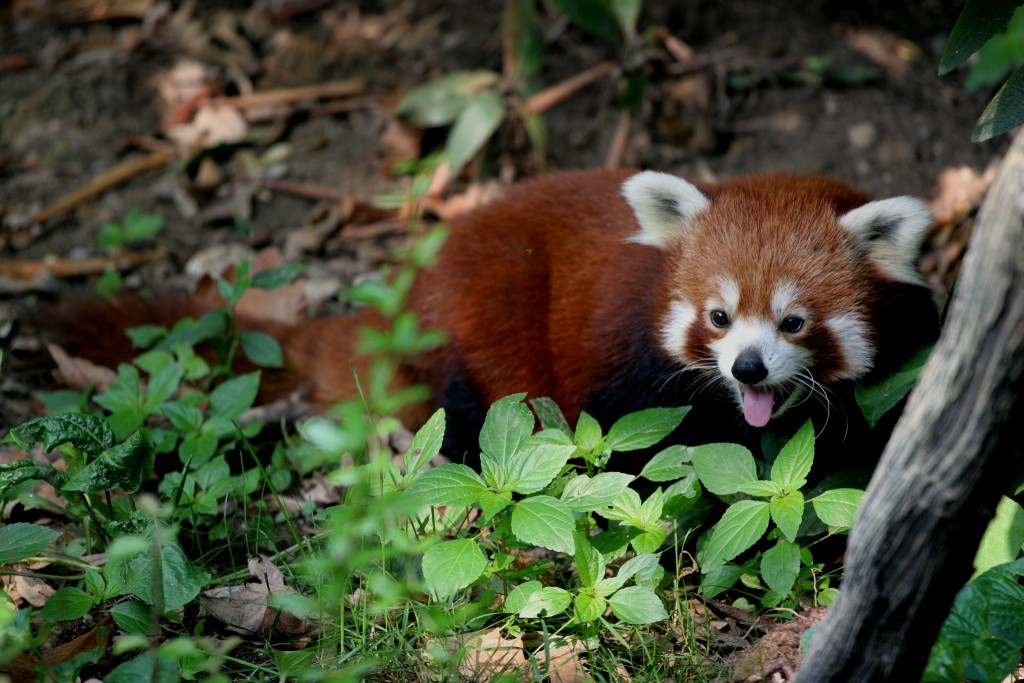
80,84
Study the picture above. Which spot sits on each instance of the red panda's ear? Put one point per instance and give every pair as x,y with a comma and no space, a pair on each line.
891,230
664,205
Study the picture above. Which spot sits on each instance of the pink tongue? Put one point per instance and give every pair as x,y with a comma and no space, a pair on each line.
757,405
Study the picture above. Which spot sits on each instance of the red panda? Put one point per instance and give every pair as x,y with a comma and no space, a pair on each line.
611,291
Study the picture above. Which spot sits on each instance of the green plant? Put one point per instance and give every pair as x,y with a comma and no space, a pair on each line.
135,227
993,30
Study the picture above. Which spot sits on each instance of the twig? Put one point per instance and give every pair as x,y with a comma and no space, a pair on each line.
549,97
28,270
97,186
620,141
299,189
320,91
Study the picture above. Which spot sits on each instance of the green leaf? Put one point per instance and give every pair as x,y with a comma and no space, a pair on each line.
724,468
1004,112
20,540
649,539
426,444
142,668
473,127
235,396
742,525
637,605
590,564
595,16
1003,538
549,600
588,433
978,22
780,565
550,415
520,596
450,484
838,508
795,459
544,521
144,336
18,472
88,433
126,465
66,604
625,508
440,101
588,607
644,428
983,635
492,503
261,349
788,512
875,400
278,277
645,569
162,386
453,565
527,41
135,573
507,425
626,13
536,464
585,493
668,465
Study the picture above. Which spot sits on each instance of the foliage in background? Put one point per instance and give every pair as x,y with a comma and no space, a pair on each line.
994,29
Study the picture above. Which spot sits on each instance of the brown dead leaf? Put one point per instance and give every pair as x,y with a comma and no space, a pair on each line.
484,655
560,661
180,89
23,667
79,373
28,588
321,224
247,609
400,141
286,304
889,51
212,125
958,192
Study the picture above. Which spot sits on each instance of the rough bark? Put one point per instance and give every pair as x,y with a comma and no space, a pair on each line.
954,452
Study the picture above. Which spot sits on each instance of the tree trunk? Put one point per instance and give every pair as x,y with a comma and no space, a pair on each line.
956,449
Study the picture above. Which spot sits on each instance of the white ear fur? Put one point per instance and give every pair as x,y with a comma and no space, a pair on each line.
664,205
891,230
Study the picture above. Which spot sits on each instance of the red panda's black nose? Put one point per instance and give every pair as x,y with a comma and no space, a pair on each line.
749,368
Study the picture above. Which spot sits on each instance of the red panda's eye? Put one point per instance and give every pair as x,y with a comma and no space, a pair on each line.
719,318
791,324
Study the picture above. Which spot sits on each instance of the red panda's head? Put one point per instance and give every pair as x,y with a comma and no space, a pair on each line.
776,281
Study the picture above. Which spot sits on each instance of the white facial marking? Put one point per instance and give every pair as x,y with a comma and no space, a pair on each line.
782,358
664,206
783,297
851,333
730,293
675,326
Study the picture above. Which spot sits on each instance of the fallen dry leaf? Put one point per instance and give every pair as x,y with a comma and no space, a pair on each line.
247,609
560,660
484,655
885,49
212,125
28,588
79,373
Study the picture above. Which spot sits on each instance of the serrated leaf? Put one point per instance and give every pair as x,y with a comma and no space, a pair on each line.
1003,538
1004,112
440,101
126,465
492,503
762,489
66,604
262,349
280,276
978,22
235,396
645,569
742,525
20,540
178,579
649,539
780,565
795,459
550,415
89,433
585,493
474,126
625,508
724,468
588,607
668,465
838,508
450,484
549,601
536,465
644,428
133,617
637,605
508,424
519,596
788,513
427,442
590,564
162,386
544,521
453,565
